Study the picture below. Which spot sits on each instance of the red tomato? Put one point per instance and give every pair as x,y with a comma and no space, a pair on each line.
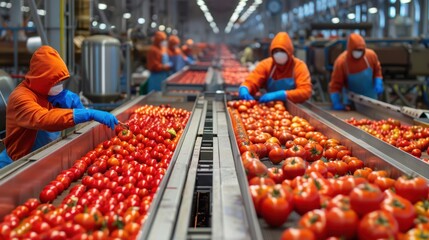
341,223
276,155
412,188
262,180
276,174
297,234
365,198
315,221
378,225
401,209
48,194
293,167
306,198
255,168
275,207
258,193
313,151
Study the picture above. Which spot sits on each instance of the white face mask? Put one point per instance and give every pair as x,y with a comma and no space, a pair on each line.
55,90
164,44
357,54
280,57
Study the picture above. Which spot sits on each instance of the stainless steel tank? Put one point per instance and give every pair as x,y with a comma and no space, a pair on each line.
101,63
6,87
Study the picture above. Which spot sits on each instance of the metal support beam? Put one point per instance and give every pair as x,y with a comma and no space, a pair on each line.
38,22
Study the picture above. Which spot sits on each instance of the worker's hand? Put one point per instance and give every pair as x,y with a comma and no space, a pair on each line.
379,88
272,96
243,93
336,102
66,99
84,115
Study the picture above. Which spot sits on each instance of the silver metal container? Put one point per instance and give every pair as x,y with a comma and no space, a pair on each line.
6,87
101,64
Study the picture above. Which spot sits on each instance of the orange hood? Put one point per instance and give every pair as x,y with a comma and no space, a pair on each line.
355,41
159,37
282,41
46,69
173,41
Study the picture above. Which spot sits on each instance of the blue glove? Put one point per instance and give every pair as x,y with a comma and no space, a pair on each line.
85,115
243,93
272,96
379,88
336,101
66,99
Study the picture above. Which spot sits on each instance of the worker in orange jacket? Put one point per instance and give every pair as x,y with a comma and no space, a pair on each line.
356,69
158,62
175,54
39,107
282,75
187,49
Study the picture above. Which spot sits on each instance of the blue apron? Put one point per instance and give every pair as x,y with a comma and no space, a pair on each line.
178,63
362,82
42,138
155,80
280,84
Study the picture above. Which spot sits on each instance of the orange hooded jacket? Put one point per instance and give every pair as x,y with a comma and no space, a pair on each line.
173,50
154,55
294,68
28,109
346,64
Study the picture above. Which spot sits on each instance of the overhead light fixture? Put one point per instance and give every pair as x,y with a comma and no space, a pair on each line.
126,15
102,26
245,15
25,9
8,5
335,20
405,1
41,12
3,4
30,24
102,6
351,16
153,25
208,15
372,10
141,20
168,30
94,23
161,27
174,32
113,26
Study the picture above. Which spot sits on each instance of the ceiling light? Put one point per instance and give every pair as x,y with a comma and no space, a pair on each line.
127,15
25,9
2,4
351,16
335,20
168,30
102,6
372,10
405,1
153,25
174,32
30,24
141,20
8,5
94,23
207,15
41,12
161,27
102,26
113,26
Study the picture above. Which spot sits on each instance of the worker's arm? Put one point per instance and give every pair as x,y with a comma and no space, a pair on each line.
154,61
338,76
29,114
303,89
258,77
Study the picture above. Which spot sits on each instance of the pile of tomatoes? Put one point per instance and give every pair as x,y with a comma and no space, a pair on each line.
191,77
412,139
234,75
318,178
119,179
